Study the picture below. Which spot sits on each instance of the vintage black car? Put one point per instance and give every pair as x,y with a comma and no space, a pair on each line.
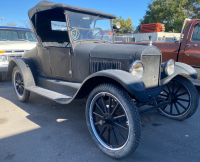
76,58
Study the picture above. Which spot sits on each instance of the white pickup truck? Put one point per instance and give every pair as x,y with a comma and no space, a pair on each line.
14,42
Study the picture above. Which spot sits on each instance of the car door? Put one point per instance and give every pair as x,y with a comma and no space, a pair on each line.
60,62
44,59
191,54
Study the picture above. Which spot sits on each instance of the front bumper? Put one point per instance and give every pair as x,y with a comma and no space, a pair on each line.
3,67
9,55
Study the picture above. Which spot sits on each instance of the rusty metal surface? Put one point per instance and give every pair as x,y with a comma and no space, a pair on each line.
191,54
169,50
181,52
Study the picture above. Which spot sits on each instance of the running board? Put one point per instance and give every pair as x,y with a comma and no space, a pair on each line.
60,98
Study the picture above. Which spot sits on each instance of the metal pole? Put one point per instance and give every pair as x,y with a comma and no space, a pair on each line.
2,20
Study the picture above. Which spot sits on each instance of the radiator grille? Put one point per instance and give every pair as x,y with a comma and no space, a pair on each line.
151,70
13,51
96,66
13,56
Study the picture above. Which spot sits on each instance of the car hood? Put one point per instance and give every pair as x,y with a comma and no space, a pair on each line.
17,45
116,51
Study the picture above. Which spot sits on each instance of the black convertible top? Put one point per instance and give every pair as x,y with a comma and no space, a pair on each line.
45,5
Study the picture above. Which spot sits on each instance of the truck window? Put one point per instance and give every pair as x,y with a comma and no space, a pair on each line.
16,35
8,34
196,34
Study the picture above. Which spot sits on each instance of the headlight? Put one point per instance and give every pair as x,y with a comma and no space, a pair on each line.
137,69
3,58
169,67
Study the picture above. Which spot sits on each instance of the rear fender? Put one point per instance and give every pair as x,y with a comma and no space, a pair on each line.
27,69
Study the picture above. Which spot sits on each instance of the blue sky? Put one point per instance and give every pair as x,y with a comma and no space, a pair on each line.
16,10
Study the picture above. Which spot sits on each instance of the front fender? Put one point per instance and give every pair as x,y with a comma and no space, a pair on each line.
180,68
129,82
26,68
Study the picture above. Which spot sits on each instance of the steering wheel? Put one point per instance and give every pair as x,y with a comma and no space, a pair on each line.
91,34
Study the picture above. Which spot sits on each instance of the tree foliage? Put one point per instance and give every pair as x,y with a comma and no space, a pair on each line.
126,25
171,13
12,24
25,24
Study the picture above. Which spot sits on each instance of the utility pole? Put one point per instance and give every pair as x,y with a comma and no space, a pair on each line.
2,20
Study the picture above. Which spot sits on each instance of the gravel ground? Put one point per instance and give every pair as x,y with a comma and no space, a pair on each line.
42,130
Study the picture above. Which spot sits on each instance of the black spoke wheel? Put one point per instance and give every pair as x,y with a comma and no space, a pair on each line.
109,118
113,120
183,98
18,84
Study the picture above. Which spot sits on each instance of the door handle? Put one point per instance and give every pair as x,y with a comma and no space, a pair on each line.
188,45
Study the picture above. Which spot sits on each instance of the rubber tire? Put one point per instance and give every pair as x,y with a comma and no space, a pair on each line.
194,99
1,77
26,94
133,115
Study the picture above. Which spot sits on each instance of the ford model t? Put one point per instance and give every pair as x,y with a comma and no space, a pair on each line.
76,58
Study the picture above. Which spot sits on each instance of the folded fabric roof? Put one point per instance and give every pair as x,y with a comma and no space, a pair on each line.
45,6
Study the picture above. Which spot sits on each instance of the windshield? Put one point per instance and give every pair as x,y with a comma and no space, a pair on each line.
16,35
87,27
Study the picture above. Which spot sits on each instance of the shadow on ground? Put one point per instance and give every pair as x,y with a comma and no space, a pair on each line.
62,134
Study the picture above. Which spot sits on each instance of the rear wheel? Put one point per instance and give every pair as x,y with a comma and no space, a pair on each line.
113,120
183,98
18,83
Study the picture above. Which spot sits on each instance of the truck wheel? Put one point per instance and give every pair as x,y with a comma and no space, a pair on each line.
18,84
183,97
0,77
113,120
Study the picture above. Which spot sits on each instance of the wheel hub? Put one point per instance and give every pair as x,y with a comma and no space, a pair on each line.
107,120
172,98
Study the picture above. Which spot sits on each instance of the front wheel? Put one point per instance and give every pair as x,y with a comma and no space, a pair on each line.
18,84
183,98
113,120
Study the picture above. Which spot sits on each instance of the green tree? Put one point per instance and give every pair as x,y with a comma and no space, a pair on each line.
126,25
171,13
12,24
25,24
193,9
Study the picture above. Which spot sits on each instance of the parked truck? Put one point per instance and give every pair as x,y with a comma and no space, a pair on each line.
14,41
185,49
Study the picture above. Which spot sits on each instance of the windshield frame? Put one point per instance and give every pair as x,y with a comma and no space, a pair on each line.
2,39
87,40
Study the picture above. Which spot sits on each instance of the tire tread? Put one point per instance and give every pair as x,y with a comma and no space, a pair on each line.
134,112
